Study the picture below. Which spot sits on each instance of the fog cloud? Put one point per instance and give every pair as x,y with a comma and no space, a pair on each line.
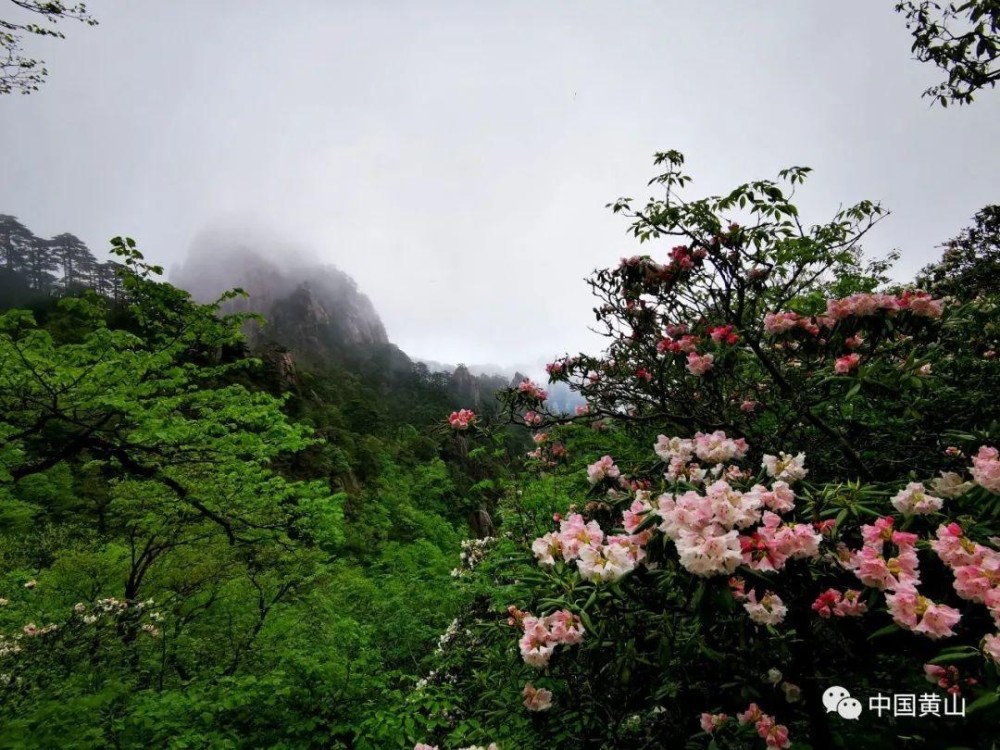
455,158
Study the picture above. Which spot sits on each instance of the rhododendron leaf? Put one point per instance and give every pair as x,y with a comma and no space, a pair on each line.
841,517
982,702
887,630
711,653
949,658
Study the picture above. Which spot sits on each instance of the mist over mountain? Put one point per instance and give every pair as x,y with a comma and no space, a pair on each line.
561,397
313,309
315,316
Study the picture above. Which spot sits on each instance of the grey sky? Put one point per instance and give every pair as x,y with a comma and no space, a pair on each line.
455,157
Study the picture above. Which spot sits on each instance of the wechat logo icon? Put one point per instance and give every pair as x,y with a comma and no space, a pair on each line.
839,700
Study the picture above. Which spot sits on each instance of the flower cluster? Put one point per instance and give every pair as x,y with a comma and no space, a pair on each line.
839,604
859,305
914,500
711,448
976,569
770,610
473,552
603,468
532,390
704,527
947,677
543,634
461,419
723,334
31,630
986,469
597,558
888,561
559,367
699,364
784,467
845,364
536,699
774,735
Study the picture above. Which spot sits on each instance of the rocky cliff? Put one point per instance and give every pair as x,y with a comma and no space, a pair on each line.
313,310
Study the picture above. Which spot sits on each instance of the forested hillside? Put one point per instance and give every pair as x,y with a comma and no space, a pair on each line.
203,547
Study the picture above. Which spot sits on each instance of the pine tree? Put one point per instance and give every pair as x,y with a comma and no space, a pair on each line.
74,257
15,243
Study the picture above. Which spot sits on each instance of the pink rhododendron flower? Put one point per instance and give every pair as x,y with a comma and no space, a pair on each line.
574,534
723,334
784,467
955,549
748,406
846,363
770,610
716,447
637,512
775,736
991,647
899,573
752,715
709,552
711,722
920,615
986,468
838,309
698,365
536,644
601,469
547,548
536,699
781,322
424,746
976,582
542,635
947,677
582,410
565,627
461,419
780,498
688,344
532,418
915,500
606,563
670,448
921,303
730,507
559,366
834,603
532,390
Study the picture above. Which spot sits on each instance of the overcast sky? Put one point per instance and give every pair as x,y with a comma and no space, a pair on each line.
456,157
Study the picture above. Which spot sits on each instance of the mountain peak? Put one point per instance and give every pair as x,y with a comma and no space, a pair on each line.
314,309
